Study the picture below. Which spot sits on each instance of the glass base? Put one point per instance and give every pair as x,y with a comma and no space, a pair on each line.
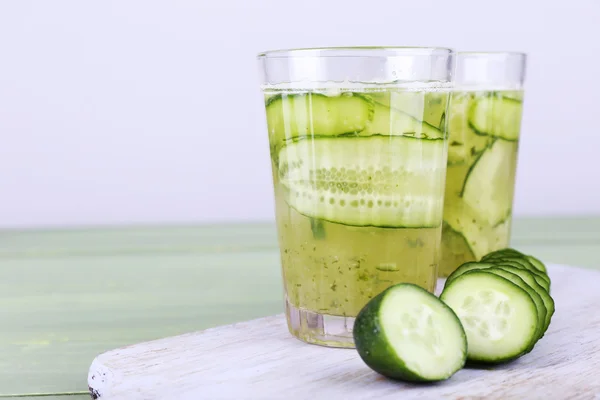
322,329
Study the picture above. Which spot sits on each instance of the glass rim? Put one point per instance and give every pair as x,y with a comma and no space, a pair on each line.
356,51
491,54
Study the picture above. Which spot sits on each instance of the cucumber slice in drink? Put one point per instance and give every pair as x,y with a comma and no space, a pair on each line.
489,185
426,106
306,114
384,181
499,318
480,237
498,116
455,249
301,115
463,143
390,121
407,333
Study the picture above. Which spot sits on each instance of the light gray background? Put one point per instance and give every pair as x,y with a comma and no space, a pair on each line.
117,112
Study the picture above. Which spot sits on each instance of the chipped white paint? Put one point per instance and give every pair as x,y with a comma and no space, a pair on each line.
260,360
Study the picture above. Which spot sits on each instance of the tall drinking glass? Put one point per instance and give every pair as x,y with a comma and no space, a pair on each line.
358,152
484,127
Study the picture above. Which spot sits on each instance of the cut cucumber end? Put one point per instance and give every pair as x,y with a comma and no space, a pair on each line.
407,333
500,319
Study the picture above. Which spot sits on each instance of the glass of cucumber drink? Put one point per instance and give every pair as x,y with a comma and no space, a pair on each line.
484,123
358,151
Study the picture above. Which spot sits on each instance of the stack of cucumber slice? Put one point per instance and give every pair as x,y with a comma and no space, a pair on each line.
501,305
503,302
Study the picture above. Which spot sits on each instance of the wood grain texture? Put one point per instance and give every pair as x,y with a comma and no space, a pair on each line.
260,360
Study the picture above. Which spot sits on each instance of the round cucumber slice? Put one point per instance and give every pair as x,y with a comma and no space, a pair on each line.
499,317
530,280
508,252
537,263
537,299
522,263
470,266
407,333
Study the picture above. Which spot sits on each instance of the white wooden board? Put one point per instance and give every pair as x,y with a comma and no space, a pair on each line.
259,359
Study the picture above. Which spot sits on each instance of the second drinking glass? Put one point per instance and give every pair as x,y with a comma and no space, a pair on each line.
484,127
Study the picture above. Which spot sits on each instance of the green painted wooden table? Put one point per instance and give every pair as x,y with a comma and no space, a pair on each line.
68,295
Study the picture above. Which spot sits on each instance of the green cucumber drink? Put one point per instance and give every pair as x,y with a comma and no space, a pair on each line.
358,172
484,128
358,201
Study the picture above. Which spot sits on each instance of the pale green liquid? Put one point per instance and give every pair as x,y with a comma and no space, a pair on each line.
333,268
465,147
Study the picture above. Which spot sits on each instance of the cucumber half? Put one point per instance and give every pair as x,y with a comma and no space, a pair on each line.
499,318
384,181
407,333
